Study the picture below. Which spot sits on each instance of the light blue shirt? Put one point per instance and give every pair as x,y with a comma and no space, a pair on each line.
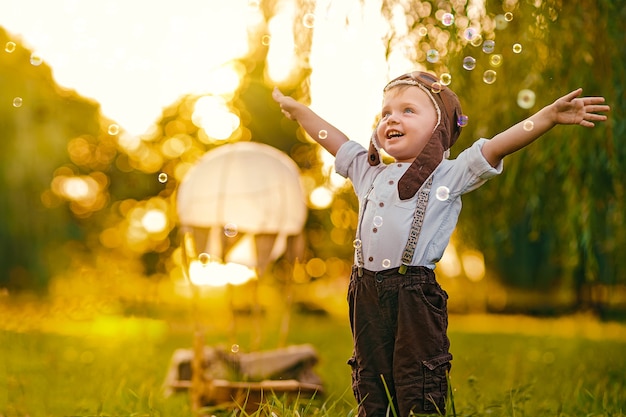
386,220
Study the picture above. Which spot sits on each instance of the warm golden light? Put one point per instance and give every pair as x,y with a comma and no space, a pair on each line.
154,221
216,274
280,57
473,265
212,114
321,197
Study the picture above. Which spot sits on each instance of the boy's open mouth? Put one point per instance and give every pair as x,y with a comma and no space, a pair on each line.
394,134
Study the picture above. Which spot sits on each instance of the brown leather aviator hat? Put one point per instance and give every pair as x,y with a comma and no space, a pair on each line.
444,135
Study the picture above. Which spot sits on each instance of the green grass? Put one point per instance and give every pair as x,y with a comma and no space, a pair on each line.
114,366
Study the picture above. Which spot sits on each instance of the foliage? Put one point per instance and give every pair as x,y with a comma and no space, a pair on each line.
556,214
554,217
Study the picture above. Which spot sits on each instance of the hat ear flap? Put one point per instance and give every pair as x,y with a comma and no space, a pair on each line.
373,156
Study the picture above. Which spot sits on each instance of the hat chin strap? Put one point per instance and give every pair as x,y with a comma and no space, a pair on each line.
423,166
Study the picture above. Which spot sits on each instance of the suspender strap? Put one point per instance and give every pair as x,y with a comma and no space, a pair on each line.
416,225
358,246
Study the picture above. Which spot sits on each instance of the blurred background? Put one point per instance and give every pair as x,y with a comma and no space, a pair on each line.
106,105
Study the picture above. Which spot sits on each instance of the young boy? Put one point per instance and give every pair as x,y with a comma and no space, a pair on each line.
408,211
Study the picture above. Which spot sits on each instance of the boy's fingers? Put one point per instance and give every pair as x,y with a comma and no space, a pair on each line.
572,95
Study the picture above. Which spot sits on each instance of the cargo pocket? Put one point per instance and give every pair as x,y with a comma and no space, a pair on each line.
355,382
436,383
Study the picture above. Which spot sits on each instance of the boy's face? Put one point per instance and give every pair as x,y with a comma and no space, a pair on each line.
408,118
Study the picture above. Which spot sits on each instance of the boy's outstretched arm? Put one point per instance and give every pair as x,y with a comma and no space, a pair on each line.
319,129
570,109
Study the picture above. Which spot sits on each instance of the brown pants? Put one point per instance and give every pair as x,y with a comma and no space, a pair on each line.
399,329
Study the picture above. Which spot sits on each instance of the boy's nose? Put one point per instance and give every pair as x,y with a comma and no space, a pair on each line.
392,118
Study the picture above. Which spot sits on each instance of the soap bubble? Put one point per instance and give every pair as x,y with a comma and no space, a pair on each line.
477,40
9,47
322,134
432,56
445,78
528,125
517,48
230,230
526,99
357,243
386,263
266,39
113,129
162,177
489,77
378,221
35,59
488,46
462,120
469,63
17,102
308,20
495,60
442,193
508,16
204,258
436,87
447,19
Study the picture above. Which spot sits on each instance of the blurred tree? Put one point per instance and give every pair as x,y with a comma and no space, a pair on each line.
36,118
61,172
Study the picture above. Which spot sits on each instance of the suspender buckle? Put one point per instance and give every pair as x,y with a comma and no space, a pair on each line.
402,269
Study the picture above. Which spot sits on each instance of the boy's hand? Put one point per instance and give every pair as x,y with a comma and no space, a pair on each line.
574,110
287,104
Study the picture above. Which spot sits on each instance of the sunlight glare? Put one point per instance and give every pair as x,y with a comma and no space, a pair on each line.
216,274
212,114
154,221
280,57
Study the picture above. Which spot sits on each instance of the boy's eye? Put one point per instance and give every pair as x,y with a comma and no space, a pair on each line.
408,110
385,114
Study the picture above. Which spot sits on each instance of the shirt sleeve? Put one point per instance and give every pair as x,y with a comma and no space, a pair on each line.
478,163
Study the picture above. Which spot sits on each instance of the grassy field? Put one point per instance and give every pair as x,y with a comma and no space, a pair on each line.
64,362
